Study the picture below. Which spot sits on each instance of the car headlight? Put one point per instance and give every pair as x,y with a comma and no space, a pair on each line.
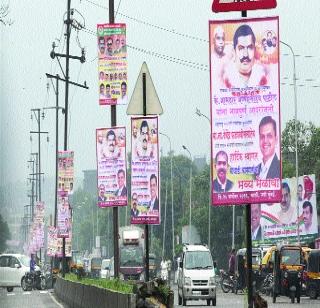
187,281
212,281
285,274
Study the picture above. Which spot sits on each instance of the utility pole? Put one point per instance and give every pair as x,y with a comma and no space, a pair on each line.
53,54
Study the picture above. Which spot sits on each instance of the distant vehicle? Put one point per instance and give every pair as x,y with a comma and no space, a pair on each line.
196,278
12,268
95,266
152,265
105,268
131,243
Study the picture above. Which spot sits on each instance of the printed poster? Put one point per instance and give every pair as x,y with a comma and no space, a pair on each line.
64,215
65,171
36,230
112,64
111,166
145,181
245,111
276,222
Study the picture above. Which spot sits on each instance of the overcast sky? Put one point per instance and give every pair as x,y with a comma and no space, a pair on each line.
176,30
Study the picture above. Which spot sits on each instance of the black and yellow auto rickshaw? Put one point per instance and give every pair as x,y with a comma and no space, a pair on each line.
287,272
313,274
241,268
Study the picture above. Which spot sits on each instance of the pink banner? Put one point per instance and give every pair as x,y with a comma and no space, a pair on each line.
66,171
112,64
111,166
145,181
245,111
64,215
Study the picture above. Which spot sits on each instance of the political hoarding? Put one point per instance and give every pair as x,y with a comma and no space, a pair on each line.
54,247
276,222
111,166
245,111
112,64
242,5
65,171
145,181
64,215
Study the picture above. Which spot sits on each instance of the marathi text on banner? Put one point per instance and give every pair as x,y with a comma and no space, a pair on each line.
111,166
64,215
65,171
245,111
112,64
145,182
275,222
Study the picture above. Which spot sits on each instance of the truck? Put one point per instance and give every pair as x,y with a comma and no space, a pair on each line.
131,246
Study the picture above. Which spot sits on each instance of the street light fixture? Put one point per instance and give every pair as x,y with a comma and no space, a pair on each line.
185,148
172,218
295,126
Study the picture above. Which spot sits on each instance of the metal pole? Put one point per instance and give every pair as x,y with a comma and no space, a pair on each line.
165,221
295,131
249,256
233,224
39,153
57,152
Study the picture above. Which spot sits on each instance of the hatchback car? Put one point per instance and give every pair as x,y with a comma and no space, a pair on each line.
12,269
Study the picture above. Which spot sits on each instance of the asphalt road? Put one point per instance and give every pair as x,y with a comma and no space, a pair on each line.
33,299
234,301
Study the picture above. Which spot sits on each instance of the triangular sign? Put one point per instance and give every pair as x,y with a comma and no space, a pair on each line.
153,105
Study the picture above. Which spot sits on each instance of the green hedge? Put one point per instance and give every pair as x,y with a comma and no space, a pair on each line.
111,284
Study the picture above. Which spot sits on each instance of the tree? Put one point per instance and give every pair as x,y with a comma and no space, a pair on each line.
4,12
4,234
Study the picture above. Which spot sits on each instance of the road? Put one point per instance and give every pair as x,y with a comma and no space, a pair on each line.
32,299
231,300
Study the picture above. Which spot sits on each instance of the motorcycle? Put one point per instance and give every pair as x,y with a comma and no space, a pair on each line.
266,286
227,281
33,280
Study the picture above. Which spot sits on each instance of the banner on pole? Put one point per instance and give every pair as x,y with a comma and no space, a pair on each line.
276,222
65,171
111,166
242,5
112,64
245,111
64,215
145,181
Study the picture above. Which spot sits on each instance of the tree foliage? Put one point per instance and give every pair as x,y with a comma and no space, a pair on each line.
4,12
4,234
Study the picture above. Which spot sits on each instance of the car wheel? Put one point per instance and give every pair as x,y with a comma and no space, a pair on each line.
214,301
24,284
313,292
43,284
9,289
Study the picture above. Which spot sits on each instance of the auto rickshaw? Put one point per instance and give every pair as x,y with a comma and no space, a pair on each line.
241,268
287,272
313,274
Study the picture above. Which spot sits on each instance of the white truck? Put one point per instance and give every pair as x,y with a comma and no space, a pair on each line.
196,276
131,245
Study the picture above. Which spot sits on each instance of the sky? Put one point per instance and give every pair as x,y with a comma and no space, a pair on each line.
170,36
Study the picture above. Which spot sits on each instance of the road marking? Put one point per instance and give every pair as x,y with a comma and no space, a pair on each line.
26,293
52,297
43,292
11,294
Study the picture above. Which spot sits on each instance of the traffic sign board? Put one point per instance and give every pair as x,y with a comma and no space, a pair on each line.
242,5
153,106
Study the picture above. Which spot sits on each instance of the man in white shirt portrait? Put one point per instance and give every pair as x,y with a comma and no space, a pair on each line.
307,217
256,232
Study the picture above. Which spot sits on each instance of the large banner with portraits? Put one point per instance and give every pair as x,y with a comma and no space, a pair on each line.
145,181
276,222
111,166
54,244
112,64
65,171
245,111
64,215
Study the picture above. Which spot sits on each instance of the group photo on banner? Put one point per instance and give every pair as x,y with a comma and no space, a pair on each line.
245,111
111,166
145,182
282,221
112,64
65,171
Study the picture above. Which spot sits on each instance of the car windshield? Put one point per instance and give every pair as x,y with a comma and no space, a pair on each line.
24,260
131,256
96,262
198,259
290,256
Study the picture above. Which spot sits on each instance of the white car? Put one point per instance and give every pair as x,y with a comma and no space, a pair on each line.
12,269
196,277
105,268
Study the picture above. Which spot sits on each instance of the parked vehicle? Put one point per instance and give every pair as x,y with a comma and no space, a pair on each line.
131,243
95,266
12,268
287,272
105,268
33,280
227,281
313,274
196,278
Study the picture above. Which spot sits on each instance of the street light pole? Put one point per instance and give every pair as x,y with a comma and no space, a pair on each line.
172,212
295,131
200,114
185,148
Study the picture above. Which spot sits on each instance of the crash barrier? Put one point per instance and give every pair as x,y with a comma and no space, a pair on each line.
78,295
